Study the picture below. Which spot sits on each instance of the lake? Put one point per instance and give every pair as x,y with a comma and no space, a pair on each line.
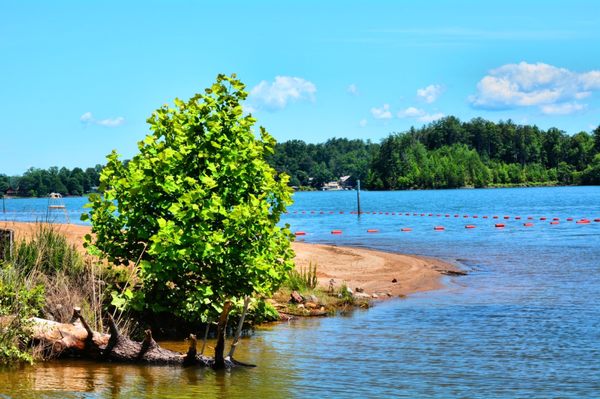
524,322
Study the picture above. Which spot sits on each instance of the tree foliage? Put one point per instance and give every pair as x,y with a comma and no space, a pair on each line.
199,205
447,153
41,182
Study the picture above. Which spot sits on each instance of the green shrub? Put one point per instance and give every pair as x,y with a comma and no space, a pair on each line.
20,299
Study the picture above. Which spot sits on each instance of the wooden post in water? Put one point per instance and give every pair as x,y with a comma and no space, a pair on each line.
358,196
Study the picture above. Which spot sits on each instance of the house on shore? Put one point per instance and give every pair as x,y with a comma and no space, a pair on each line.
343,183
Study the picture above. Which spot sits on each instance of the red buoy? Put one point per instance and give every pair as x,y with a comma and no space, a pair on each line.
500,225
569,219
583,221
597,220
528,224
300,233
555,219
517,217
542,218
485,217
529,217
406,229
554,222
446,215
470,226
506,217
439,228
495,217
475,216
336,231
372,231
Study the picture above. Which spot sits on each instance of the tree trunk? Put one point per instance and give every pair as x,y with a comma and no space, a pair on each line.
238,331
219,362
78,339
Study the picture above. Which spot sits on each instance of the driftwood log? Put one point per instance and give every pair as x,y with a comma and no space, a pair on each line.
79,340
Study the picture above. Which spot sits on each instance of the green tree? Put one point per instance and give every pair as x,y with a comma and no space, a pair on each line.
199,205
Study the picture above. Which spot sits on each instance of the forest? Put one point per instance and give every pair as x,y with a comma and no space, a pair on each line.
37,182
447,153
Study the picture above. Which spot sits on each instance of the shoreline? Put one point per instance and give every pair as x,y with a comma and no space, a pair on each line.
369,270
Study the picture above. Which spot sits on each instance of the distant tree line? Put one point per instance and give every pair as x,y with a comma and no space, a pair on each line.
311,165
41,182
447,153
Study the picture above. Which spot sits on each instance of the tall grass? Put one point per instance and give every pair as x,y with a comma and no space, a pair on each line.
303,279
46,276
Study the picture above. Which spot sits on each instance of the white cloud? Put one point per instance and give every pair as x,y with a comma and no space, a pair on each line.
284,89
382,113
562,108
352,89
411,112
363,123
88,119
248,109
430,93
420,114
550,88
430,117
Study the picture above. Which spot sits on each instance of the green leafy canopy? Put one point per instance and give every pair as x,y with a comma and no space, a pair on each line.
198,204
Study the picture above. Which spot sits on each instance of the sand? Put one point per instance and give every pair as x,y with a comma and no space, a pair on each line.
372,271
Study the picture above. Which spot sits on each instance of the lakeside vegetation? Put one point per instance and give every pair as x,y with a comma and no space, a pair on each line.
447,153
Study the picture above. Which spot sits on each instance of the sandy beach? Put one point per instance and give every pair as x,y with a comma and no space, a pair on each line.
373,271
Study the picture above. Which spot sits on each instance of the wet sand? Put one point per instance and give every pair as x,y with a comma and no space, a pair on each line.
373,271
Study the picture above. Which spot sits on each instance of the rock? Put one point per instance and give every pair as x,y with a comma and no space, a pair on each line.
322,308
301,306
361,295
295,297
389,294
394,281
313,298
453,272
358,289
375,296
311,305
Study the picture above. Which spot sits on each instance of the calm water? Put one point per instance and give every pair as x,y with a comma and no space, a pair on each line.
523,323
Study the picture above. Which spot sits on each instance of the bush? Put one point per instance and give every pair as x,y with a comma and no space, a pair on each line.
20,299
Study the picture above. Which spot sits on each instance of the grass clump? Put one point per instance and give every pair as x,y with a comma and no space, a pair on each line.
302,280
45,276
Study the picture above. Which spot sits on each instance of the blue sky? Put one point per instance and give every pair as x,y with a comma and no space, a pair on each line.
80,78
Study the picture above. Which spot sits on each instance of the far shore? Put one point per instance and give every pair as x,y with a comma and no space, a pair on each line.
376,272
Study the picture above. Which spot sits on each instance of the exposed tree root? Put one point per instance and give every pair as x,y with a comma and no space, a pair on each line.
77,339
